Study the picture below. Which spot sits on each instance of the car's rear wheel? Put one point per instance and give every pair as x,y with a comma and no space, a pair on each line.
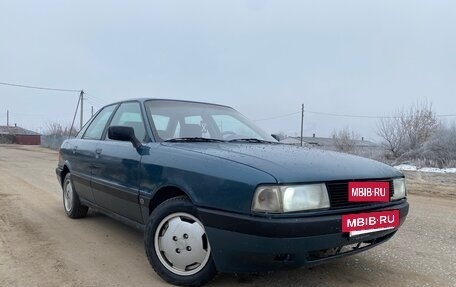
177,246
71,203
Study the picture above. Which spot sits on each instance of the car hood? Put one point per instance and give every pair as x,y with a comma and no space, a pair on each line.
292,164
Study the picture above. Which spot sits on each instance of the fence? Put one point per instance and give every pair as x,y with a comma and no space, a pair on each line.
52,141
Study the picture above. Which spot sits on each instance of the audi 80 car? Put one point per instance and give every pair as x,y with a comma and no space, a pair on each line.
214,193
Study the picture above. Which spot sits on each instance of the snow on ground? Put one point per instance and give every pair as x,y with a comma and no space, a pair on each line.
405,167
425,169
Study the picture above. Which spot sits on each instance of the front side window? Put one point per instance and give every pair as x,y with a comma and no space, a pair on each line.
95,129
129,115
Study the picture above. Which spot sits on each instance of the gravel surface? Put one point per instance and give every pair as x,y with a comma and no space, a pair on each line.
40,246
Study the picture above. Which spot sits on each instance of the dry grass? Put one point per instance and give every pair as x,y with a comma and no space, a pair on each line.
427,183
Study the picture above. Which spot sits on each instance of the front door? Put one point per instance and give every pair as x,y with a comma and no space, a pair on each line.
115,174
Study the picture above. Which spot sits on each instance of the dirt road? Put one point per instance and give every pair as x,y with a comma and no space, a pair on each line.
40,246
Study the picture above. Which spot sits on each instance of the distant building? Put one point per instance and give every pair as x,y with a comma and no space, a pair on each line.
18,135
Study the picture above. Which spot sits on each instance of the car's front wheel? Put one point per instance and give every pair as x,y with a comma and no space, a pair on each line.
71,203
177,246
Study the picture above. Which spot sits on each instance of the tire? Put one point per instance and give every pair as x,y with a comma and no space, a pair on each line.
181,255
71,203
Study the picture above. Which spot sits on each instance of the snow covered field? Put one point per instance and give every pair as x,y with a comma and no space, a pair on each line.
408,167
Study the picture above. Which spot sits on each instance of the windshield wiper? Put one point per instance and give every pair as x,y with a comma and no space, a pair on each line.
193,139
250,140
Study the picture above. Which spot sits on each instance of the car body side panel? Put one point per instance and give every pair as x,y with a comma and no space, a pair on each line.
80,153
208,181
115,178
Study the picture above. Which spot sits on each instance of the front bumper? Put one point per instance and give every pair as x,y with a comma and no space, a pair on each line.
242,243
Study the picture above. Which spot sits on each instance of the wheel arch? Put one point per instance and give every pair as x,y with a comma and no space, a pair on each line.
65,171
164,193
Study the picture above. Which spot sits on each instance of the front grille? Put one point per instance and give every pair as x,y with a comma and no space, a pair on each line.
338,194
351,248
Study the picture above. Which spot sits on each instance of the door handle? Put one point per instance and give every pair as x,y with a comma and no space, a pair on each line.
98,152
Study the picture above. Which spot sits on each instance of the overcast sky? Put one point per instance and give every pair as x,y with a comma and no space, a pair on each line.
264,58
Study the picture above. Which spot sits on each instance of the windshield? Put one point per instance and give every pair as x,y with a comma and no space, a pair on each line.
178,120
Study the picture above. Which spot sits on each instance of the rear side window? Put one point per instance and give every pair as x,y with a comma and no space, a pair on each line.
95,129
129,115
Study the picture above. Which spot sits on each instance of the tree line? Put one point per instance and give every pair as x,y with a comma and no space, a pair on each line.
410,135
417,135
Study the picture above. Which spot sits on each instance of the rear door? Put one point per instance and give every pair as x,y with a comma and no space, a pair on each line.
81,153
116,174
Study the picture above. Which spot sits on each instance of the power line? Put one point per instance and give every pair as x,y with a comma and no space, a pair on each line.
366,116
75,112
38,88
277,117
38,115
93,100
97,98
342,115
349,116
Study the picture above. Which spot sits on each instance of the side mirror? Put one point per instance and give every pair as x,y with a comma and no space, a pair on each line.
276,137
123,133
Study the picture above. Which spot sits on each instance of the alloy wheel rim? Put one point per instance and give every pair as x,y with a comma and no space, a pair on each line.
181,244
68,196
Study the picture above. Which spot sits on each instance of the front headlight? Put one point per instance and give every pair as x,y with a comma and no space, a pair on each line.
289,198
399,189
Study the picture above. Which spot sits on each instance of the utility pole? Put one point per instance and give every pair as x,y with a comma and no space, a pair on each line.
92,111
302,122
81,98
7,118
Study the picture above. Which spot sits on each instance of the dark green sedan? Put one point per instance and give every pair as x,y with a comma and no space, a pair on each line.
214,193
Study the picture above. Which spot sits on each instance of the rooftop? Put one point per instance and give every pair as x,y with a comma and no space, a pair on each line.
15,130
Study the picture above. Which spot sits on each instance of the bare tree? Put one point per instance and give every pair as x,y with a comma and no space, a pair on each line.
57,129
440,149
345,140
390,130
408,130
53,129
418,124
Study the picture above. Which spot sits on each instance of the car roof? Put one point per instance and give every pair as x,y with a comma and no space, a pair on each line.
142,100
